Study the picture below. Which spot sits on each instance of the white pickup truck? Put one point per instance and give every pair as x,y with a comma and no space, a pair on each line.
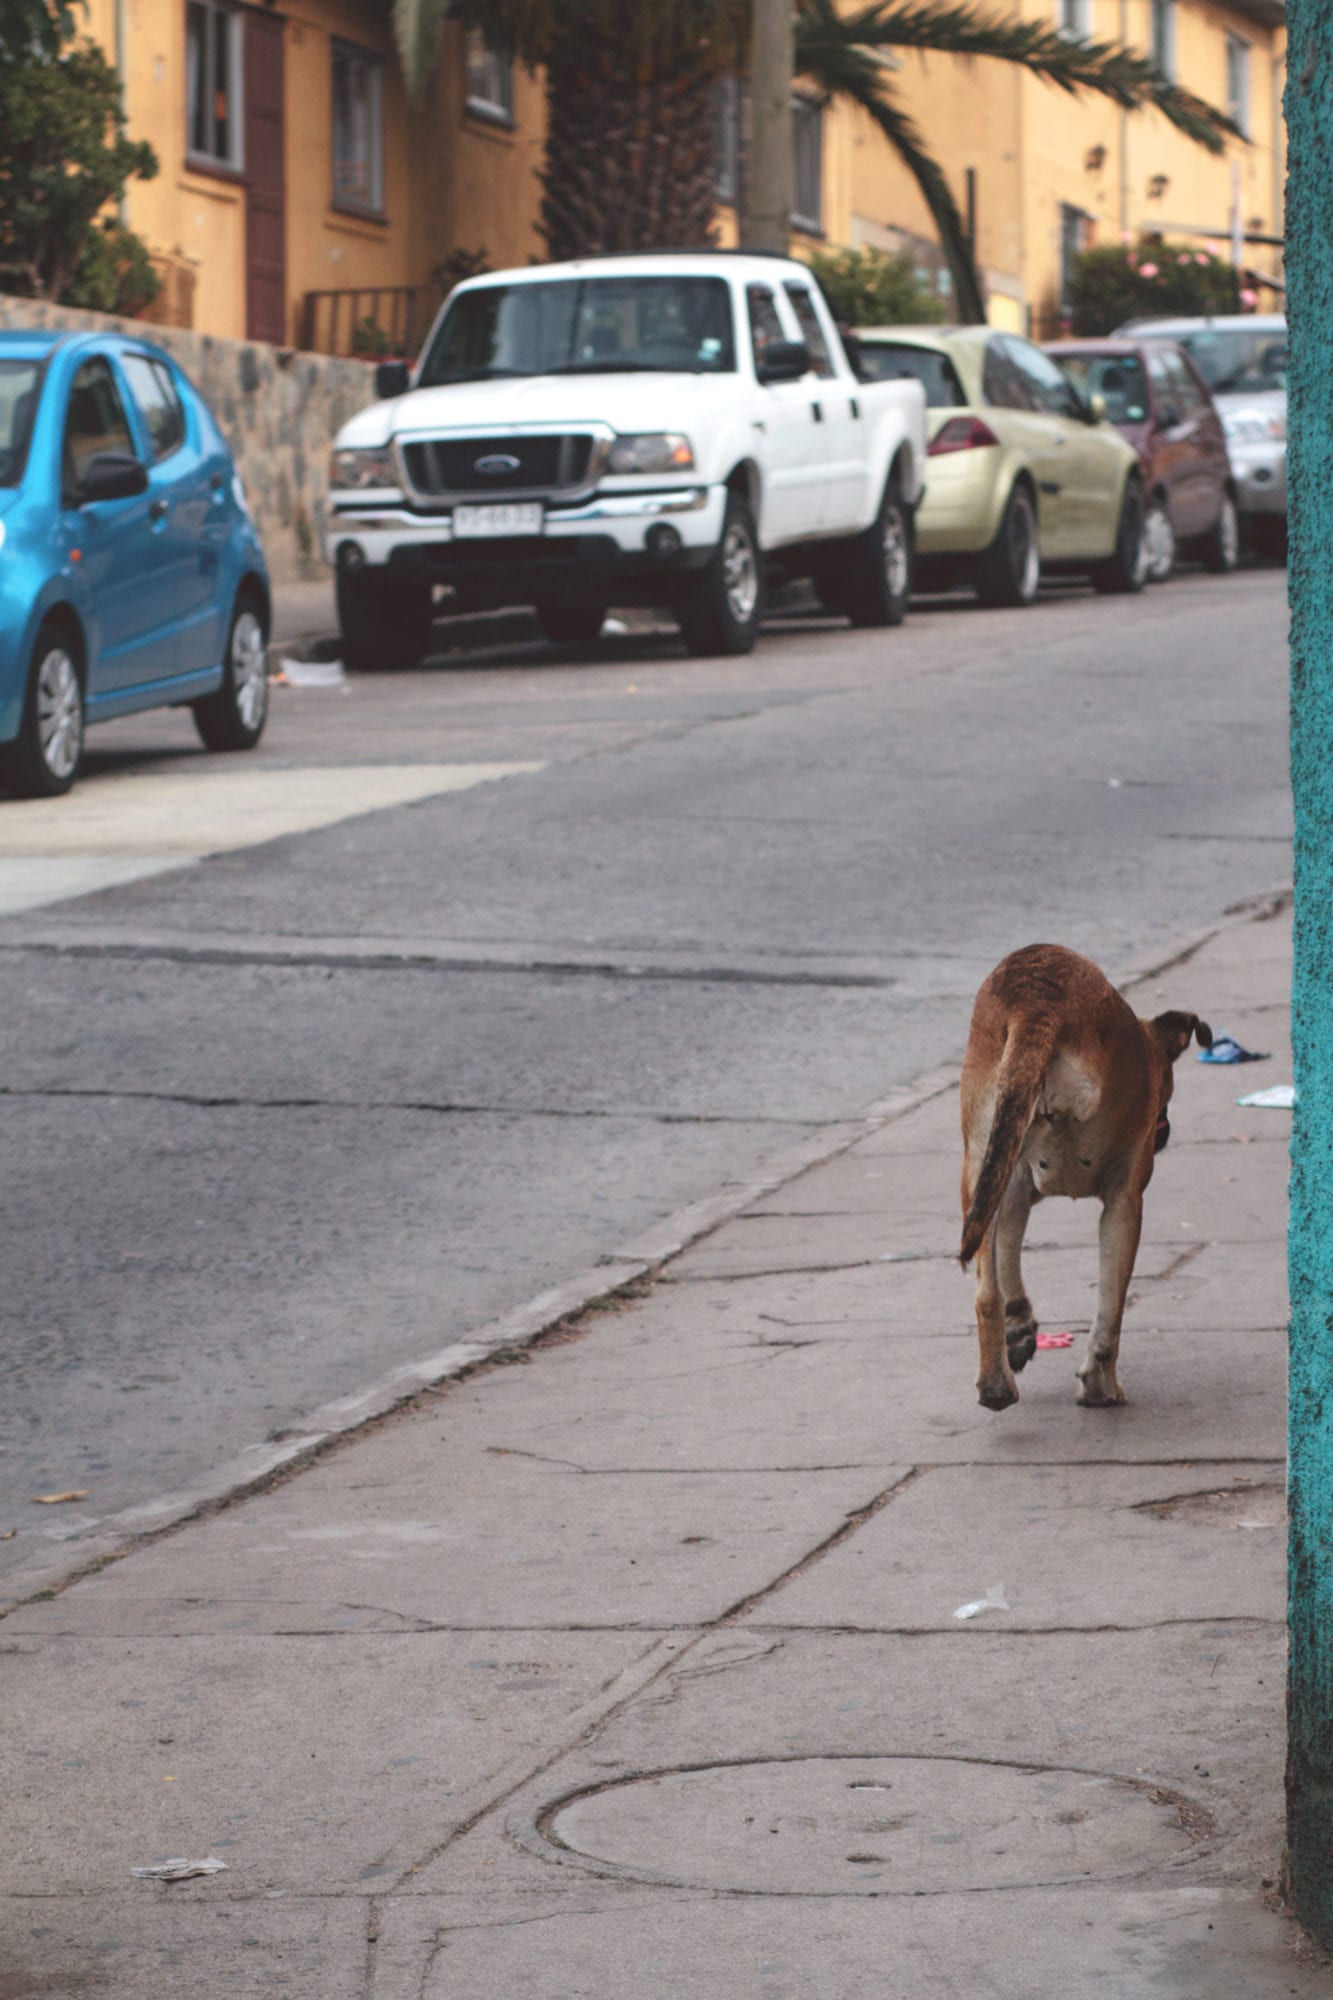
666,429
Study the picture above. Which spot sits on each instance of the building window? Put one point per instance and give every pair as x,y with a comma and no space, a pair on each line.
490,79
1075,238
213,83
727,159
1074,18
807,129
358,130
1238,82
1164,36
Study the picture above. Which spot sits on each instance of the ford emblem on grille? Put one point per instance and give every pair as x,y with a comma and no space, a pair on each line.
496,464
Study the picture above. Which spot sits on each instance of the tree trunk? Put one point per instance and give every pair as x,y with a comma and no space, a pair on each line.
770,179
631,148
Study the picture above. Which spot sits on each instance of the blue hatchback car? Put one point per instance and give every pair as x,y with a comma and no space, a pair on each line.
131,575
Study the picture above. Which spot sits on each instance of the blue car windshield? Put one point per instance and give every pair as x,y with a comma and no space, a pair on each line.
584,326
19,383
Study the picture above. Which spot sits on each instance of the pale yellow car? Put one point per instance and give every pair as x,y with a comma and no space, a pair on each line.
1022,476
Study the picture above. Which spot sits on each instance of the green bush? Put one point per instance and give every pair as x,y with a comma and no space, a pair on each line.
1113,283
64,162
876,288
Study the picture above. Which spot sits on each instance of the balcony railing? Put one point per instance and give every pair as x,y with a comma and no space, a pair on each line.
371,323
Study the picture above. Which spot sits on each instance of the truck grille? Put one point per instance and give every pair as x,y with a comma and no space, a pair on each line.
447,468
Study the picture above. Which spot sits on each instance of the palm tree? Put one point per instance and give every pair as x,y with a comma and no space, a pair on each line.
630,162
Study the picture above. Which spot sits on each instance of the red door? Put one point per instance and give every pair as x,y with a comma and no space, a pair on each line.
265,175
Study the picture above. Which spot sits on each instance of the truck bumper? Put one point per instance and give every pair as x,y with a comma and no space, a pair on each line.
616,547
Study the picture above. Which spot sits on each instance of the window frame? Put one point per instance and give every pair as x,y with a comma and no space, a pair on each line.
351,53
807,116
799,295
161,372
69,485
495,108
1024,355
1162,36
727,141
212,11
1238,56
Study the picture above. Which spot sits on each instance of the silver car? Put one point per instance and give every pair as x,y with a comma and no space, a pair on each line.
1243,359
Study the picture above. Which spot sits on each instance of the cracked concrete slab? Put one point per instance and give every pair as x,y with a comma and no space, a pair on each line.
1072,1944
276,1755
434,1526
1073,1545
144,1940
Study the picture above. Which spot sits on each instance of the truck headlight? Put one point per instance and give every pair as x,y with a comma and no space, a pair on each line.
651,451
357,470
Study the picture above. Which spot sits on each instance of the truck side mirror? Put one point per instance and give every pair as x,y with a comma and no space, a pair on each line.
783,361
392,378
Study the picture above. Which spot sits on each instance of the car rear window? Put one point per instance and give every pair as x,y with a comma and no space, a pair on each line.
1233,360
898,361
19,384
1117,378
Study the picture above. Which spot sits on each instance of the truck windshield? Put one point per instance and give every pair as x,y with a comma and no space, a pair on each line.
19,381
584,326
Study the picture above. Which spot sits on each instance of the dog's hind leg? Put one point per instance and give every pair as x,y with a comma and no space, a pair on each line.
1020,1324
1118,1241
996,1387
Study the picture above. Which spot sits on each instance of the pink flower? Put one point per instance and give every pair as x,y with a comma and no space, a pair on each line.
1183,257
1249,299
1210,246
1147,270
1126,237
1200,258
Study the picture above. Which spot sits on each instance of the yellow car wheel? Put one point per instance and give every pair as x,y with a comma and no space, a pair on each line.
1009,571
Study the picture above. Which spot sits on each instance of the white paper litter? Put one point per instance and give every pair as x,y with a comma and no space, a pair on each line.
1278,1097
994,1600
181,1870
313,673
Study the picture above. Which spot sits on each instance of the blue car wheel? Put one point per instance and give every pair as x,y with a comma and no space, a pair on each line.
43,760
234,717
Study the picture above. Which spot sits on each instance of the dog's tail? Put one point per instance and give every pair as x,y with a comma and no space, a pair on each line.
1022,1067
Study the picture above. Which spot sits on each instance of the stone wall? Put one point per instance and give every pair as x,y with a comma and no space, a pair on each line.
278,409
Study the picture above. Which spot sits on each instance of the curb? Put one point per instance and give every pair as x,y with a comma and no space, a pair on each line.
642,1256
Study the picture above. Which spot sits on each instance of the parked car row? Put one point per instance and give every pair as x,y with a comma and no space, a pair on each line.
670,430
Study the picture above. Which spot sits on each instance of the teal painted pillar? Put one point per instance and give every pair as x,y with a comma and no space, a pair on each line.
1309,101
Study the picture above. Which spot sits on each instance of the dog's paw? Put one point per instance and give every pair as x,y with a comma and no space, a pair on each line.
997,1395
1021,1344
1096,1393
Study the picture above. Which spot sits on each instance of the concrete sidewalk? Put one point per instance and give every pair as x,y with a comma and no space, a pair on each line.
632,1669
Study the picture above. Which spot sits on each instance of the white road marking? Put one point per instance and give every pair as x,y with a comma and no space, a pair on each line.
116,830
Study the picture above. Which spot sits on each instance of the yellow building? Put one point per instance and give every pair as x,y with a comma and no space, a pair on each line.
1045,175
302,199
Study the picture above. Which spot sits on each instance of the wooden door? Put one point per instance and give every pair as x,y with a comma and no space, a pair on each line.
266,181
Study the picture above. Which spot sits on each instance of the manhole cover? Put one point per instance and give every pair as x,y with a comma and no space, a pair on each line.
872,1826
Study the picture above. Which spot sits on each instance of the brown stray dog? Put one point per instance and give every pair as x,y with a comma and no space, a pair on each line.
1064,1091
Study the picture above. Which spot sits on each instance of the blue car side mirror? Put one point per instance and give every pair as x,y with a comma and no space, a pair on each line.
111,475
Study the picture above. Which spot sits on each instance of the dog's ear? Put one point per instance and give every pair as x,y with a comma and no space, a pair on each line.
1173,1032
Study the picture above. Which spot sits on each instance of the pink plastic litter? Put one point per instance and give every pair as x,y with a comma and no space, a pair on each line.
1055,1340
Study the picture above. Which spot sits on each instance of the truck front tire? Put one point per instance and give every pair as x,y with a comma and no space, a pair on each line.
385,619
720,607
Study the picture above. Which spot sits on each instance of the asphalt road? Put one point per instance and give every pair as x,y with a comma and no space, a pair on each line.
278,1119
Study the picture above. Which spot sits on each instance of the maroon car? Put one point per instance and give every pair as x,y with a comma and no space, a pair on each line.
1157,397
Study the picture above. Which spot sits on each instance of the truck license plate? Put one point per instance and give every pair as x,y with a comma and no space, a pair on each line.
501,517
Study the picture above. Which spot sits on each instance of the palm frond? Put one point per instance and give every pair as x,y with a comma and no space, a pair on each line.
1072,65
854,72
